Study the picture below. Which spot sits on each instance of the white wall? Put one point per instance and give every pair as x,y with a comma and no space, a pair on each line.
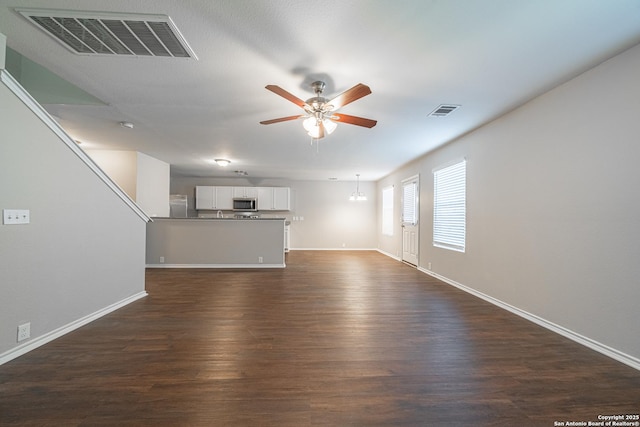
152,183
3,50
121,166
144,178
82,253
330,221
553,215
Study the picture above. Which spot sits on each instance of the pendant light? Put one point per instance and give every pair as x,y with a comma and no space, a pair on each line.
357,196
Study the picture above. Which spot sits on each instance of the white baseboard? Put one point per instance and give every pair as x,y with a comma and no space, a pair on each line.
567,333
397,258
216,265
57,333
332,249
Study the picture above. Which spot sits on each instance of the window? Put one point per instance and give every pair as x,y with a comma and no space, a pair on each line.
449,206
387,211
410,202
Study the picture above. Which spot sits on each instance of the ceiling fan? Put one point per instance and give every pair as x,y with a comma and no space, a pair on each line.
321,117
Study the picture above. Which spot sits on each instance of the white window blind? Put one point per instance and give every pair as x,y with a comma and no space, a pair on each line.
387,211
410,203
449,207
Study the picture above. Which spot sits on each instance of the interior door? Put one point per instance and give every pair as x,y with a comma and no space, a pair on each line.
410,223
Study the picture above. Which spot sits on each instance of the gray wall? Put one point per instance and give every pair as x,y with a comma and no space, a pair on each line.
215,243
330,220
84,248
553,213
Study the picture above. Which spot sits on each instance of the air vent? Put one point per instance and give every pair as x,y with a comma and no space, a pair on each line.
443,110
89,33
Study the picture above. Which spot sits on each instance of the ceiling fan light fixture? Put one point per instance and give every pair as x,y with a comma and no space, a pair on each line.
329,126
311,125
222,162
320,119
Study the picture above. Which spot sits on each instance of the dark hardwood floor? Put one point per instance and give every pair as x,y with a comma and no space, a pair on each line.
335,339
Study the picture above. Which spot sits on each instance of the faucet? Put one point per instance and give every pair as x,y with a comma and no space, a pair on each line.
219,214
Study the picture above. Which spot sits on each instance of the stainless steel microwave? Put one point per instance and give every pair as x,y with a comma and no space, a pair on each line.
246,204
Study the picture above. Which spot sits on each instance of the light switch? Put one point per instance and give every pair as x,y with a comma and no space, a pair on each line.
15,216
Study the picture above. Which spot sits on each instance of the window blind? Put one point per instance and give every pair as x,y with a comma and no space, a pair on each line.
409,203
449,207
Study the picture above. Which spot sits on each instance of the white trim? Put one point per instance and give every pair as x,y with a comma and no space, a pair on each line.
57,333
46,118
567,333
449,163
397,258
216,265
332,249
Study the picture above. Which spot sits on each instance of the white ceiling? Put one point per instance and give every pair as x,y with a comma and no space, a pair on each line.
489,56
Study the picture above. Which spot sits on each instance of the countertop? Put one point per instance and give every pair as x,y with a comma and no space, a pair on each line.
219,219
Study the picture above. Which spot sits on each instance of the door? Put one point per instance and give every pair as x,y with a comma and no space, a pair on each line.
410,223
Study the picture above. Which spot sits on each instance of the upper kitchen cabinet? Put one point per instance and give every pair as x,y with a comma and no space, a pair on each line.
205,197
274,199
224,198
248,192
209,197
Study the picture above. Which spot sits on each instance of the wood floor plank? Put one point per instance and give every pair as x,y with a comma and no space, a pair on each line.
336,339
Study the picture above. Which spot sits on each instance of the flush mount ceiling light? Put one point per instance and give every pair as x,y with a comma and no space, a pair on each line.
127,125
222,162
357,196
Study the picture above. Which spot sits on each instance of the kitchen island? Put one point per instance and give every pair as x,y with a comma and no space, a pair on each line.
216,243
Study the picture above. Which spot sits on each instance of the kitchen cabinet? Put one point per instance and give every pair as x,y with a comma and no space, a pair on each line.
224,198
210,197
205,197
282,198
273,198
221,198
250,192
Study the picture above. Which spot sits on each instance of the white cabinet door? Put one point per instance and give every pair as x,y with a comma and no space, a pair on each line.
245,192
224,198
281,198
265,198
273,198
205,197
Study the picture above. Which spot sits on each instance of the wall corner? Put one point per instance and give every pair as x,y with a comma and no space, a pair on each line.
3,50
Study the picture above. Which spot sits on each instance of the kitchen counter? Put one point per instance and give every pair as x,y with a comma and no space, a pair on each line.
216,243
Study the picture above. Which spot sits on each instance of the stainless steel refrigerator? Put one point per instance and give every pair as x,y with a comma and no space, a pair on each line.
178,205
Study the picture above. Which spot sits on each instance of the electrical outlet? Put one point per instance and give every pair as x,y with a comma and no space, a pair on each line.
259,260
429,266
161,260
24,331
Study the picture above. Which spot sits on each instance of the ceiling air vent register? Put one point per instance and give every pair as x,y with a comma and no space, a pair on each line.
91,33
444,110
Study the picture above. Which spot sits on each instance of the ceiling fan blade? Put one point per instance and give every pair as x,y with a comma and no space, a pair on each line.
286,95
353,120
350,95
281,119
